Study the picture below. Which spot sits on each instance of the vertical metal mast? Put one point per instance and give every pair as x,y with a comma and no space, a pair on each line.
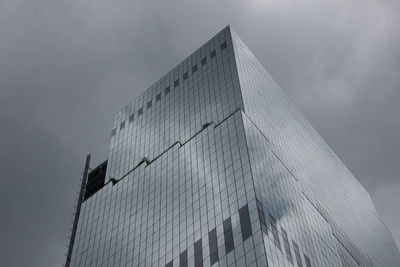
77,212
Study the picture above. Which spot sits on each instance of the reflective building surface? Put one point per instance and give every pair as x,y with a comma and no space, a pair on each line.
214,166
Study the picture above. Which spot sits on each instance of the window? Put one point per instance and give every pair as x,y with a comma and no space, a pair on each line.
212,54
287,246
213,243
149,104
228,236
194,68
223,45
176,83
245,223
198,253
122,125
203,61
261,215
183,259
158,97
167,90
170,264
185,76
275,231
297,253
307,260
140,111
131,117
113,132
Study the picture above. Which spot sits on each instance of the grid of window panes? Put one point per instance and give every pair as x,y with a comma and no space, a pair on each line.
213,165
203,88
169,212
292,224
193,206
315,200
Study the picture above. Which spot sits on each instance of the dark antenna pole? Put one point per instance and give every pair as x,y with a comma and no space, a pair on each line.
77,212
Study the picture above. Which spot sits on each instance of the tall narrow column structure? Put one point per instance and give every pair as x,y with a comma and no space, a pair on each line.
214,165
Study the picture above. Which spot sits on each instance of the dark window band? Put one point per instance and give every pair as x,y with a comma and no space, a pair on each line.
198,254
261,215
228,236
245,223
297,253
183,259
213,244
274,231
287,246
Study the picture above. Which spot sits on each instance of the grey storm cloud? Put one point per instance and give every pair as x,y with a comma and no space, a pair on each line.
66,67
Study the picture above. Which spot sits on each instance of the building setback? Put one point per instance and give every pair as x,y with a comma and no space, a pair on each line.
214,165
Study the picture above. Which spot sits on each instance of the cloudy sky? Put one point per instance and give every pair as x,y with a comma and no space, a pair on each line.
67,66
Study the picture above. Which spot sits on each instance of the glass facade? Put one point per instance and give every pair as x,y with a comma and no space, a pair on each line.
214,166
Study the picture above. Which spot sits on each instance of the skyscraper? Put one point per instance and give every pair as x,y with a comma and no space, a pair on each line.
213,165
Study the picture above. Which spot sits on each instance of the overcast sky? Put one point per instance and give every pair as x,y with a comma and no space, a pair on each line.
66,67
